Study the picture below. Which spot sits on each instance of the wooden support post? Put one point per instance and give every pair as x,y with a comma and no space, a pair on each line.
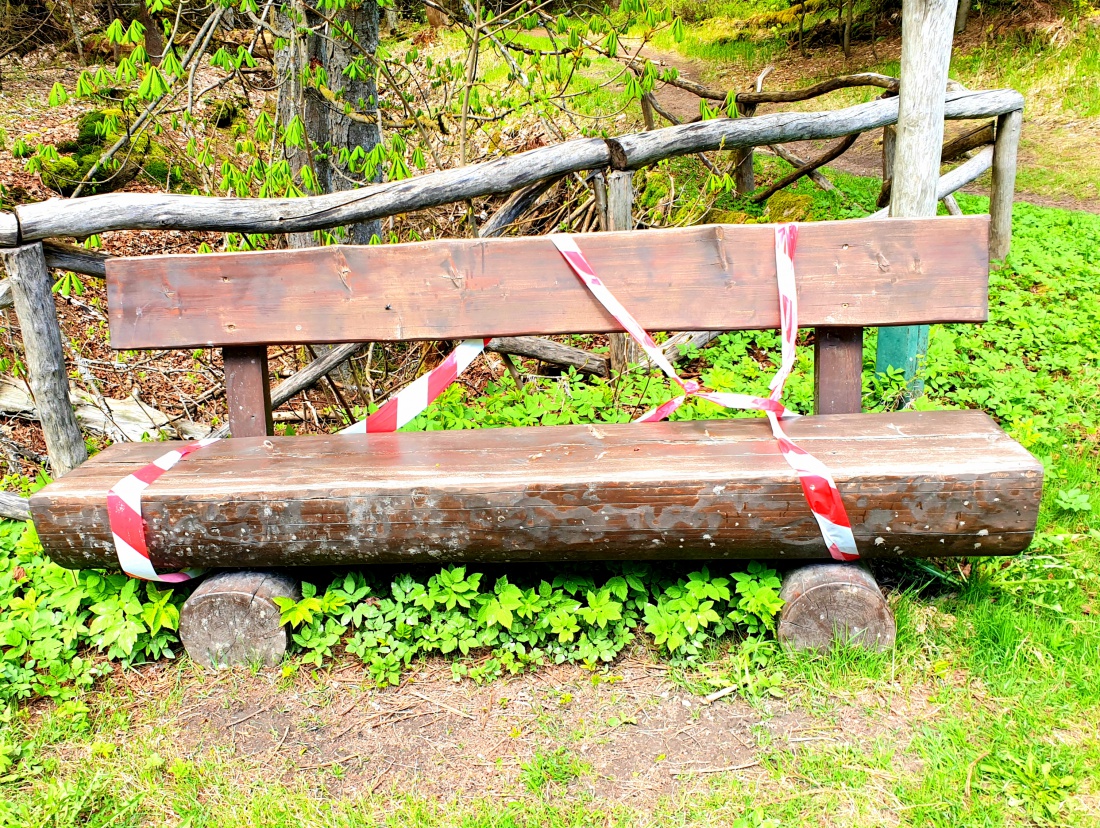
247,391
827,603
838,370
45,357
962,12
889,147
648,115
232,619
1004,183
743,174
617,207
925,54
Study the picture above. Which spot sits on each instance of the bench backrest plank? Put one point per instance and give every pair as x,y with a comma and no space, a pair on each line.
850,274
716,277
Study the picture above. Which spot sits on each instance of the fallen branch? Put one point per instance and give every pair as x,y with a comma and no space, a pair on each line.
838,150
14,507
306,378
547,350
517,205
792,159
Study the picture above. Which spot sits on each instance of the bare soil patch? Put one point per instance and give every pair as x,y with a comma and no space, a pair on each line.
637,735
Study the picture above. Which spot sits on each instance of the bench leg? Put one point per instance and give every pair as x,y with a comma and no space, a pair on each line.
827,602
232,619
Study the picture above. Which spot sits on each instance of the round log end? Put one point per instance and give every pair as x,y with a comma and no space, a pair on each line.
830,602
232,619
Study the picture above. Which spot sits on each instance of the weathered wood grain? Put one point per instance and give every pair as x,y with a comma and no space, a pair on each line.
925,55
954,180
45,358
231,618
719,277
14,507
1004,183
915,483
58,218
617,213
534,347
830,603
838,370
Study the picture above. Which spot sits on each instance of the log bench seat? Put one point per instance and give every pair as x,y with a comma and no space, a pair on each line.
915,483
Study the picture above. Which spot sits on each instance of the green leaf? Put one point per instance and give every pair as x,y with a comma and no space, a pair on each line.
58,95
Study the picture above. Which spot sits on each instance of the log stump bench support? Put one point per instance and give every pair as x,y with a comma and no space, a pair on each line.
915,483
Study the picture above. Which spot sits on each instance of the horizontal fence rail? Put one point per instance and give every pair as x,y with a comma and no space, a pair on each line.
80,218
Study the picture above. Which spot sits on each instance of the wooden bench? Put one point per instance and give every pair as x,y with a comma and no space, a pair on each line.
914,483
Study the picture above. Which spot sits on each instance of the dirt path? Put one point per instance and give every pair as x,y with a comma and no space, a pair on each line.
628,736
864,158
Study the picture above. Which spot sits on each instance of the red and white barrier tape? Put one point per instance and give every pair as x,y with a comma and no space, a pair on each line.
818,485
127,525
822,495
124,500
403,408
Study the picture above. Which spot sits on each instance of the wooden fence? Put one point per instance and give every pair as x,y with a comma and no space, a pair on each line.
29,233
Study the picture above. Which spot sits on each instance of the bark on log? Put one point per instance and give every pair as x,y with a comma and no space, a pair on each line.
1004,183
961,14
121,211
60,256
547,350
14,507
231,619
967,141
45,357
830,603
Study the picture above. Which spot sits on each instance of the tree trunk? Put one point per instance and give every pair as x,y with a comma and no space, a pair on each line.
961,14
328,128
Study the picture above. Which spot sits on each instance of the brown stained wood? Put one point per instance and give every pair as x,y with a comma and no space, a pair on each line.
838,370
247,392
915,484
718,277
232,619
831,603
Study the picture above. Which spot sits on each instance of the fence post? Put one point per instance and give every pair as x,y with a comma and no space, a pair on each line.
743,157
616,206
925,54
1006,144
45,358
